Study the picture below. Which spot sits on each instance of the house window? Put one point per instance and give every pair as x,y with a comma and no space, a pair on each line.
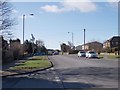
116,43
112,43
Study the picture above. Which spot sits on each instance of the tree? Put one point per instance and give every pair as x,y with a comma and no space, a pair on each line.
28,47
70,44
6,21
40,46
39,43
16,48
7,54
108,50
65,48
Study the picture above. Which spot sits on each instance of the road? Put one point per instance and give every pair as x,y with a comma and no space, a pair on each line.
69,71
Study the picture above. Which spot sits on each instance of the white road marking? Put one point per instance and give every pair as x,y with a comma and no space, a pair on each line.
51,68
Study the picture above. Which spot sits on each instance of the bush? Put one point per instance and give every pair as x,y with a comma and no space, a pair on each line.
73,51
108,50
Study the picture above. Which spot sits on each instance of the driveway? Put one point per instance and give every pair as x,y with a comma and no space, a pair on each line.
69,71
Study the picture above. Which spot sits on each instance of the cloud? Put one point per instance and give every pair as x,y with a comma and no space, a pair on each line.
71,5
86,6
52,8
113,3
113,0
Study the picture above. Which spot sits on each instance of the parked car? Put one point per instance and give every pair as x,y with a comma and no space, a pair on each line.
50,52
91,54
39,54
56,53
81,54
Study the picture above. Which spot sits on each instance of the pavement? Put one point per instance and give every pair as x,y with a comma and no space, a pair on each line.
69,71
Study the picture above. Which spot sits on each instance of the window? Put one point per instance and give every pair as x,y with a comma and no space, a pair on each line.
112,43
116,43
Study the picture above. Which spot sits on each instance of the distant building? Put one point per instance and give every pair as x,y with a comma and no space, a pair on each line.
79,47
112,42
97,46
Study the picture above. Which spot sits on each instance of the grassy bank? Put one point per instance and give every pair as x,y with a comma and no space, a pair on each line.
101,56
33,63
111,56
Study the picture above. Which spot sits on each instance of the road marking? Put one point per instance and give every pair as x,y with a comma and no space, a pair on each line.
57,79
47,69
51,68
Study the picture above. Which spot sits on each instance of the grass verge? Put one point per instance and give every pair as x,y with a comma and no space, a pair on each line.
110,56
101,56
113,56
38,58
36,62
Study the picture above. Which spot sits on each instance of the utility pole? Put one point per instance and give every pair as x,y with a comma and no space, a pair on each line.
84,39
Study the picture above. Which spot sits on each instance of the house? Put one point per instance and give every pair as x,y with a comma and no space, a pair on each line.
112,42
79,47
97,46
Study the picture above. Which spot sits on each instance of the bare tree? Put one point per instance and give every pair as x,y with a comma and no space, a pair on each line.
41,46
39,43
6,21
65,48
70,44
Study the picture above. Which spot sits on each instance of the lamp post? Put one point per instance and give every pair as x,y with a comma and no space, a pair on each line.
72,38
24,26
84,39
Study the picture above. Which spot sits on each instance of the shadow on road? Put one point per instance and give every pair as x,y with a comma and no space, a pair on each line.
25,83
71,78
96,72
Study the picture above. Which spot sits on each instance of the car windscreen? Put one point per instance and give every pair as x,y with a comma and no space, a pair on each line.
82,52
92,52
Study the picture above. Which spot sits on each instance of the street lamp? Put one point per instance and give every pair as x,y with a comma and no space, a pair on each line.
24,25
72,38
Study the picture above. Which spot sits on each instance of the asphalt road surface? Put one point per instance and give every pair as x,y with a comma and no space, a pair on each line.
69,71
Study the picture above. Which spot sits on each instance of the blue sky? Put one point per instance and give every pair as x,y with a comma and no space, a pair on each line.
52,21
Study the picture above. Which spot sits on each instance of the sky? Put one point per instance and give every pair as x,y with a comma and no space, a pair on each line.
53,20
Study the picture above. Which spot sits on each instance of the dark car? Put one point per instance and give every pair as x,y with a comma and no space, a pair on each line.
39,54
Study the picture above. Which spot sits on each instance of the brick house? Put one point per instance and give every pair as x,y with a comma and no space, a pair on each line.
112,42
95,45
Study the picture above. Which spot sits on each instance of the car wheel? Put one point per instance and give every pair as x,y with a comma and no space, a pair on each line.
88,57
